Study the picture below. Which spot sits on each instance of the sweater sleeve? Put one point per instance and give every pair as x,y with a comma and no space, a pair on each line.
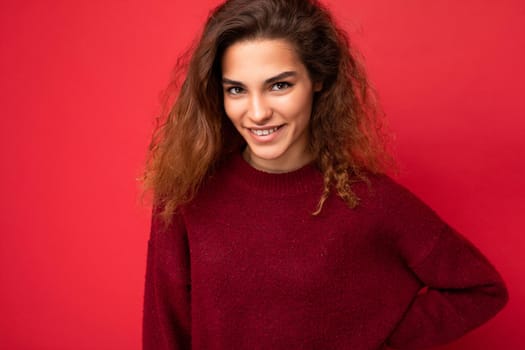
461,288
166,310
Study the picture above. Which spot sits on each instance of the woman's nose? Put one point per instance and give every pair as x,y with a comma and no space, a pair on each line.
260,111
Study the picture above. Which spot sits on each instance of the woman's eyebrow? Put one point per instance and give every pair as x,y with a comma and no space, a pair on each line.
280,76
271,80
231,82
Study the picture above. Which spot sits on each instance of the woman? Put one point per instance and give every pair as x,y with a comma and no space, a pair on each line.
275,225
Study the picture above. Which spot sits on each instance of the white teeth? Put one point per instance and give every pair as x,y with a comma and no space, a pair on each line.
264,132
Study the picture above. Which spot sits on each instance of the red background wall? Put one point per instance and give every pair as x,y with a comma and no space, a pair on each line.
79,86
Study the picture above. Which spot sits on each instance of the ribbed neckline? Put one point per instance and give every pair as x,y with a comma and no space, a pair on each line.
294,182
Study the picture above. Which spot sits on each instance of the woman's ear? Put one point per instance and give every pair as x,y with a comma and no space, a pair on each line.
318,86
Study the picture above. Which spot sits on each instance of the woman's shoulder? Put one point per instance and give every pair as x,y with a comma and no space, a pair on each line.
378,184
406,218
386,193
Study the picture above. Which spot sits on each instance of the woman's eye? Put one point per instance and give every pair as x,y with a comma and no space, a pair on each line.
280,86
235,90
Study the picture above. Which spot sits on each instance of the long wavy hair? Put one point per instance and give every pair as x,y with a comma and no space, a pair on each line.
193,133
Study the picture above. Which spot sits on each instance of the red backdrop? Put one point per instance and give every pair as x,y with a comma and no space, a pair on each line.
79,87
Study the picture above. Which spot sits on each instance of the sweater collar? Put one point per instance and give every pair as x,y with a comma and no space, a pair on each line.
304,179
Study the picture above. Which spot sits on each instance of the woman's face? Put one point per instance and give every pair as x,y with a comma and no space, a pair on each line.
268,97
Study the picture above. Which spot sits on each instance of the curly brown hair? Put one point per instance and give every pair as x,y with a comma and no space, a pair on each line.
193,134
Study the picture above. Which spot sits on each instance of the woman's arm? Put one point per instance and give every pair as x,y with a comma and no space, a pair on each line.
463,292
462,289
166,314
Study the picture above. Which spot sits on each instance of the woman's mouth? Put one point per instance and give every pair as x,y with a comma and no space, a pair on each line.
264,132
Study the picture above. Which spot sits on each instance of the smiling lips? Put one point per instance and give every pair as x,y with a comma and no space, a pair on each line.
264,132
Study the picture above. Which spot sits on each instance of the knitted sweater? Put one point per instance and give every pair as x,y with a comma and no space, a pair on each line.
246,265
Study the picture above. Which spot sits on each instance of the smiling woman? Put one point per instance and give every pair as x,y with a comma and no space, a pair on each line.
268,97
345,135
275,224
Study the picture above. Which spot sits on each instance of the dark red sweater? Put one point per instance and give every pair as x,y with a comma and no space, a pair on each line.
246,266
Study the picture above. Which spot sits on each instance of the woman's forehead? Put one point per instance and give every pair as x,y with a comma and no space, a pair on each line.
260,59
